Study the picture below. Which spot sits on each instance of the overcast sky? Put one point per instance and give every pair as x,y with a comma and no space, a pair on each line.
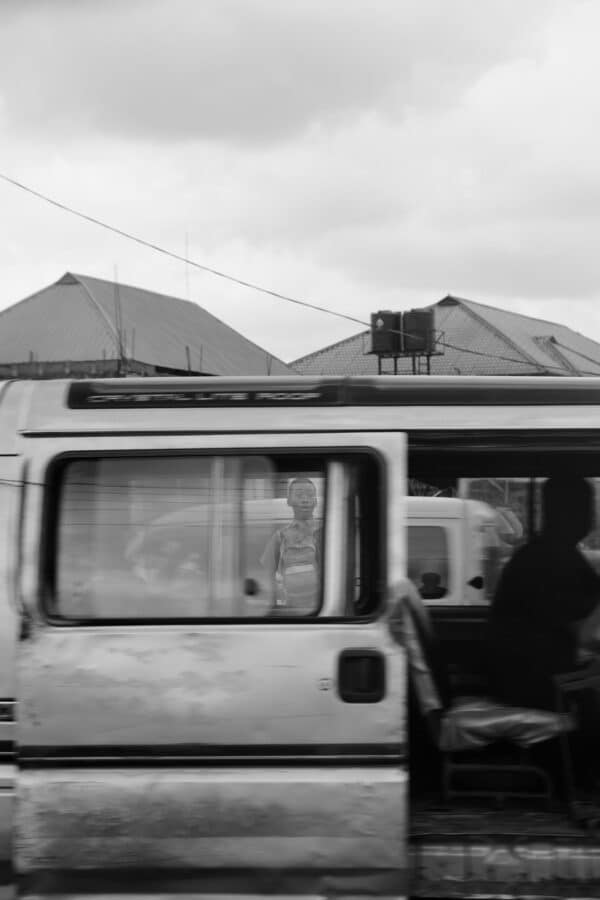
359,154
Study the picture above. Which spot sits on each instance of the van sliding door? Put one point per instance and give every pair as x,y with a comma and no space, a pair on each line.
11,491
210,698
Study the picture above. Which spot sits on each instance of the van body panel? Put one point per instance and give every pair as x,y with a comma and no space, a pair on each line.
241,752
11,476
202,686
11,473
14,397
344,418
219,820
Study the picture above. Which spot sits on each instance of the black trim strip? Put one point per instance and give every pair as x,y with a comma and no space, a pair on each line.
494,440
273,881
456,436
210,755
198,393
73,621
201,433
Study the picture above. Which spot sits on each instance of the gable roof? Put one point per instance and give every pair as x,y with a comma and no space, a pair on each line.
476,340
75,319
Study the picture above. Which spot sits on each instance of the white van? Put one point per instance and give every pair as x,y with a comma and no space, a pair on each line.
162,731
452,549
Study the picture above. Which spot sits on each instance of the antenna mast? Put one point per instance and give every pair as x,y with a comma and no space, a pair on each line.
119,328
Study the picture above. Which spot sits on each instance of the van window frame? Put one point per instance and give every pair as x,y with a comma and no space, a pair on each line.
49,543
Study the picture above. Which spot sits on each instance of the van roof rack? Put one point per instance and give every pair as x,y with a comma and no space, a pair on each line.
385,391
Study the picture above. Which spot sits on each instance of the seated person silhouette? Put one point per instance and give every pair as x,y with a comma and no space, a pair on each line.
293,554
431,587
547,596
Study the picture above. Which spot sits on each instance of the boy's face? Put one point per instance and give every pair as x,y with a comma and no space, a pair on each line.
303,499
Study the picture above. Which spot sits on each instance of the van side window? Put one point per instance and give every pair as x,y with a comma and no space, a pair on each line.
517,503
198,537
188,537
428,563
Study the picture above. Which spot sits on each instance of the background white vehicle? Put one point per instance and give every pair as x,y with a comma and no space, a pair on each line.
457,541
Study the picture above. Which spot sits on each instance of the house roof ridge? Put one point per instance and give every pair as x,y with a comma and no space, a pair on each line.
191,303
497,332
76,281
8,309
100,312
512,312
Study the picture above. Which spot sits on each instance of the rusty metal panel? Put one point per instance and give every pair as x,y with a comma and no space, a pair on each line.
213,819
216,685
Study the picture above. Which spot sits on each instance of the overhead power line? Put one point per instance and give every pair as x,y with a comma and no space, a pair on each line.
190,262
252,285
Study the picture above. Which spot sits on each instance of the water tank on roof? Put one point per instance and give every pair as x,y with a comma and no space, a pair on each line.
385,333
417,331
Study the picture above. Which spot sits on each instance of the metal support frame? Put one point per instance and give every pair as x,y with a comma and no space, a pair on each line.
414,356
567,685
451,767
582,812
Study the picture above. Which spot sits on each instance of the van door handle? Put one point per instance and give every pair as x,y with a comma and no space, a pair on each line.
361,675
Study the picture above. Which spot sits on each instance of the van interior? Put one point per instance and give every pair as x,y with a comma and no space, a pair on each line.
499,786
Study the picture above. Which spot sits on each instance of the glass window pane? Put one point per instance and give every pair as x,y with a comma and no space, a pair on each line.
188,537
131,542
510,499
284,543
428,560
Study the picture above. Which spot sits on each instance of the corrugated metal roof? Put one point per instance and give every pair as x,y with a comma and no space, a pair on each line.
560,345
74,319
479,340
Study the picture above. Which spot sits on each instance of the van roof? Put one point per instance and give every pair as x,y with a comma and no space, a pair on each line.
127,405
447,508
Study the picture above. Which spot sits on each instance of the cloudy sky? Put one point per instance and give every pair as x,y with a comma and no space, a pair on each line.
358,154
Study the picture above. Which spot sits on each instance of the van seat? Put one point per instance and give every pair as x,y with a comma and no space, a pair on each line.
462,724
473,722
